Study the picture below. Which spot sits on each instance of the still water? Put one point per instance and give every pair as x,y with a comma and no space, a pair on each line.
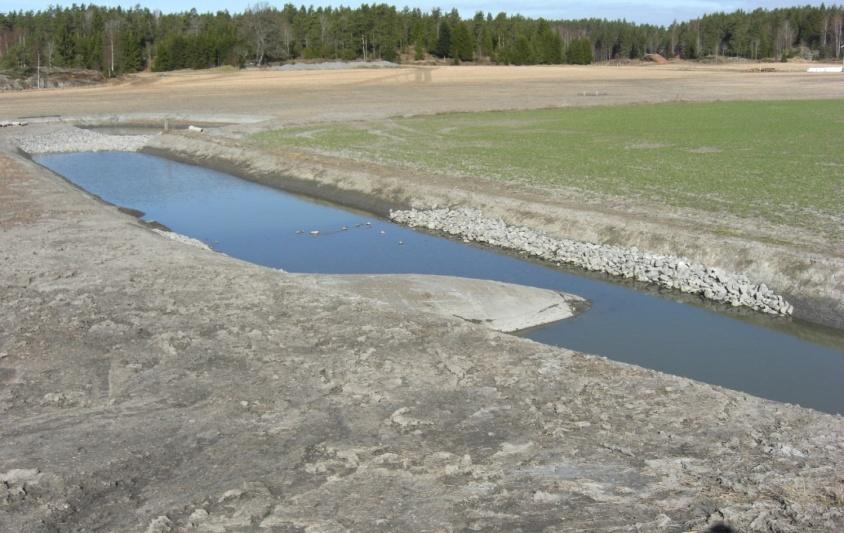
773,358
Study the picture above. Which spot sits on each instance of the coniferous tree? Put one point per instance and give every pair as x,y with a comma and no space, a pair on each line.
131,55
461,46
580,52
125,40
549,45
444,40
521,53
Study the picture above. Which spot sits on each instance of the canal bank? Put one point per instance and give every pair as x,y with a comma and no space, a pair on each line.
808,274
775,357
149,362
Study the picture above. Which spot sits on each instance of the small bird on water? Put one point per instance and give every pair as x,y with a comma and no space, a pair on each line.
315,232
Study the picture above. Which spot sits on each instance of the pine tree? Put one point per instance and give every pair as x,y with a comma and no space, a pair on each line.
131,54
580,52
521,53
444,41
86,36
461,47
549,45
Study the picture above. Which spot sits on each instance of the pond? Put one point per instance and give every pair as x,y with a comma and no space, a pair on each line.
775,358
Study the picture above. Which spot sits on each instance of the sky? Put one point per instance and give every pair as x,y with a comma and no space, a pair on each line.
642,11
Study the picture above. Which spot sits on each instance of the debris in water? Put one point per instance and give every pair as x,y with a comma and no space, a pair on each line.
382,232
401,243
344,228
300,231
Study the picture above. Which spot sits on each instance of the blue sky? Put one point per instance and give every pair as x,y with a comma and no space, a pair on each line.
652,11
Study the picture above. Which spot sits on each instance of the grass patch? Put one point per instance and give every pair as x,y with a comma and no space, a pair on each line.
782,161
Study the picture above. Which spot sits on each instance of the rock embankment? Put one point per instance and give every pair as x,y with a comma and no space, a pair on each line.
664,270
80,140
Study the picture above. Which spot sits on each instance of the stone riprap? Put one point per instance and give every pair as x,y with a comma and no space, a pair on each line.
71,139
664,270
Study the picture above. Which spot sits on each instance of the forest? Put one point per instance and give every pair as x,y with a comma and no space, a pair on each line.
117,41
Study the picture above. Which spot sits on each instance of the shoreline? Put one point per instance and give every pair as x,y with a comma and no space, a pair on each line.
735,289
675,273
816,333
503,307
802,279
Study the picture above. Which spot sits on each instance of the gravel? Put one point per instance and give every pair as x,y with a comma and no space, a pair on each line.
81,140
667,271
336,65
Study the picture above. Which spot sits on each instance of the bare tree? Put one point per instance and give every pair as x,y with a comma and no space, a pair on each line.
784,38
112,30
837,23
258,28
286,32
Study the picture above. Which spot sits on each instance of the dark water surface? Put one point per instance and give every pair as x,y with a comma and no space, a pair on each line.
773,358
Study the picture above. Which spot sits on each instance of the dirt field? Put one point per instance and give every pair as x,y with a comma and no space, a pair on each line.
301,97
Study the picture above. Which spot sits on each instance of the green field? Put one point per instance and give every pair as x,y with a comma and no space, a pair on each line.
781,161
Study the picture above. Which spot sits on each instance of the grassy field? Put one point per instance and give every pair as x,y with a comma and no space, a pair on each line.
782,161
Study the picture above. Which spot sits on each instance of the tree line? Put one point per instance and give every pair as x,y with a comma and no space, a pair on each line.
117,41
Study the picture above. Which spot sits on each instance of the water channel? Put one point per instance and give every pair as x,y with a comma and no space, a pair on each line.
774,358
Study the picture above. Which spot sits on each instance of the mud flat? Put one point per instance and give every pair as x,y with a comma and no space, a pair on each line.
154,386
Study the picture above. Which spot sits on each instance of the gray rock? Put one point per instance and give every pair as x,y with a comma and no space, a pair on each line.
80,140
666,271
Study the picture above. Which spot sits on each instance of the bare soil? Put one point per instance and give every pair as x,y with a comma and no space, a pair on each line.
308,96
